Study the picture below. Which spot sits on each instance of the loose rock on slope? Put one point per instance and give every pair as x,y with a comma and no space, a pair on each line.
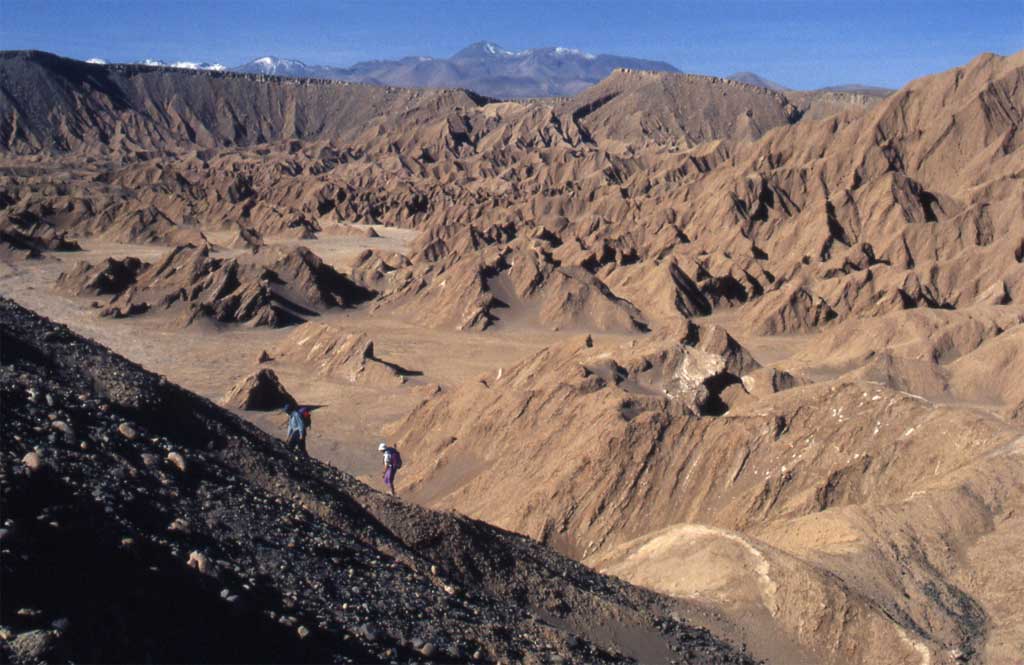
275,556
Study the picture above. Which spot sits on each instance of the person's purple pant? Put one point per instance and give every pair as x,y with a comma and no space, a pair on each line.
389,479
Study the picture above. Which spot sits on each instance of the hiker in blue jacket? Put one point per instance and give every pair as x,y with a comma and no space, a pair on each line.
296,428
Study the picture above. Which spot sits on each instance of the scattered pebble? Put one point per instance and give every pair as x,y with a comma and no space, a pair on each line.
35,645
179,524
177,459
61,426
199,561
367,632
32,461
127,431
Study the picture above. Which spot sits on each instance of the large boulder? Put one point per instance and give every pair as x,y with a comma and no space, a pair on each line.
260,391
111,277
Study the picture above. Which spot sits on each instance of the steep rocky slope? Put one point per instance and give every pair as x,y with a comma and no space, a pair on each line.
640,105
823,102
842,494
857,506
50,102
137,512
633,204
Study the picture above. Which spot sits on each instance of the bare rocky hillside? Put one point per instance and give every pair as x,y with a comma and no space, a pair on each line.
142,522
758,350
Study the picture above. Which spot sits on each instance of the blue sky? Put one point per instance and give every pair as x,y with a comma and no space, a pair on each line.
797,43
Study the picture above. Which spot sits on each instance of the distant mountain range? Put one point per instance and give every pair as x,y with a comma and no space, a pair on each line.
751,78
485,68
183,64
859,89
851,88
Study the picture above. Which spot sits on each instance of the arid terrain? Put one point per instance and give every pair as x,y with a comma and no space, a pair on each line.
757,351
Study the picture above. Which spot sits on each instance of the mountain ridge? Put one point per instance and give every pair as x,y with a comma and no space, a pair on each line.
754,79
851,88
483,66
218,108
468,68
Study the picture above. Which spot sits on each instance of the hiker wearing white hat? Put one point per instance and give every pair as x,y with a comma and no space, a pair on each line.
392,463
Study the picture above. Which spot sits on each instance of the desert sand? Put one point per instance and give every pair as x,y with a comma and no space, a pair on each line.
755,351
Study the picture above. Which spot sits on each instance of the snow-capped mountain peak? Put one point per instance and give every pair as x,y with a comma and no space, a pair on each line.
561,50
491,51
273,65
494,49
215,67
484,67
185,64
272,61
486,50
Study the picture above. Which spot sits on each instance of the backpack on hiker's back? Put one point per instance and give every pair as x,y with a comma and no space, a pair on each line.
307,416
395,458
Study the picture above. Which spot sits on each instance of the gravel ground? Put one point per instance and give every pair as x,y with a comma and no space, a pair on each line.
144,523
